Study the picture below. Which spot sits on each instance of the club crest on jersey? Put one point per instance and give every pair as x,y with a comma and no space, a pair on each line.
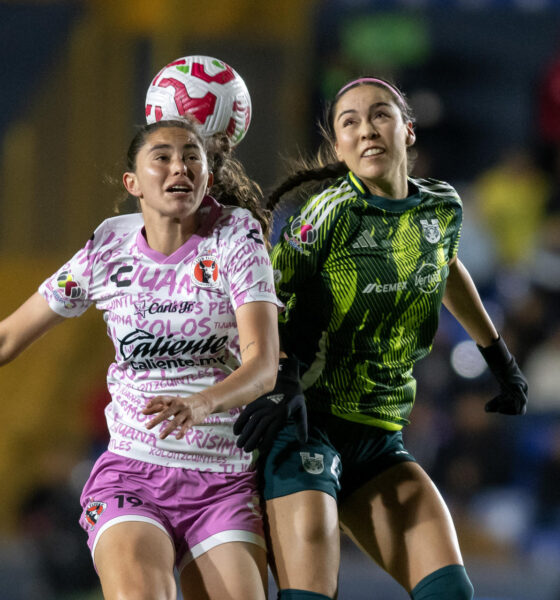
431,230
205,271
93,511
314,465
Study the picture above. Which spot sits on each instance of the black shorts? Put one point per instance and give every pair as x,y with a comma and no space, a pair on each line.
339,457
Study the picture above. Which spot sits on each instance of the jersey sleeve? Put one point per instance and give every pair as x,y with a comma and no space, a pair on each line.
456,226
247,266
298,255
68,290
454,247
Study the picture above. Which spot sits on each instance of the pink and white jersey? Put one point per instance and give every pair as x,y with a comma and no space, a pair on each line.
172,322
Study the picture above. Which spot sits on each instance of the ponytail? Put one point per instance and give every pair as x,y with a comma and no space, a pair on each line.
232,185
319,173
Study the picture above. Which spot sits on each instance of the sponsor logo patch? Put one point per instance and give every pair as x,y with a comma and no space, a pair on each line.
428,278
365,240
296,244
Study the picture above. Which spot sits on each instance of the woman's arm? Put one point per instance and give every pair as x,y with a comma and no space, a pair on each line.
463,302
27,324
257,324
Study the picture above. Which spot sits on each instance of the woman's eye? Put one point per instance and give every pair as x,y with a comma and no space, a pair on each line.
347,122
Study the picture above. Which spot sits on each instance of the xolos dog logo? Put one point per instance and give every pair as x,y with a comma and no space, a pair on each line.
205,271
93,511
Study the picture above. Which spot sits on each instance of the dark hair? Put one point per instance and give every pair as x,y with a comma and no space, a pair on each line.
324,167
232,186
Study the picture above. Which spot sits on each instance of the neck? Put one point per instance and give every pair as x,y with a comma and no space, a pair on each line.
392,191
168,235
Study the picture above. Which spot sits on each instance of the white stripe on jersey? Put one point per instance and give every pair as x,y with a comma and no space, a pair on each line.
324,201
435,187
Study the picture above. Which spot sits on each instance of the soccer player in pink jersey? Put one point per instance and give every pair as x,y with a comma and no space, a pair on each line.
187,293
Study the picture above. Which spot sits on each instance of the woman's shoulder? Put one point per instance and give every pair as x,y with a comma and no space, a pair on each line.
334,196
231,217
120,225
435,188
115,231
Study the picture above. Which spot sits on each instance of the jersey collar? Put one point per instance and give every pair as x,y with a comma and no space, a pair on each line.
210,210
379,201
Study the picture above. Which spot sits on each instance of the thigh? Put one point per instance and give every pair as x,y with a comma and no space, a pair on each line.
305,541
135,559
400,520
231,571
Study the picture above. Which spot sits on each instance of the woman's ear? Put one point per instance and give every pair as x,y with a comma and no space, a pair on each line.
337,152
210,181
410,135
130,183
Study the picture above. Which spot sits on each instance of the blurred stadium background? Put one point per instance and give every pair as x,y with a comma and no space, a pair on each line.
484,79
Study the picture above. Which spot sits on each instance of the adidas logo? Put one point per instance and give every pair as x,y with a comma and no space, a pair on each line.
364,241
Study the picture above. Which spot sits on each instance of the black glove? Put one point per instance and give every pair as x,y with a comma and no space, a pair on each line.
512,399
262,419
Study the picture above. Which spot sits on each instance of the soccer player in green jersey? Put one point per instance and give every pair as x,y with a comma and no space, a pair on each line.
363,268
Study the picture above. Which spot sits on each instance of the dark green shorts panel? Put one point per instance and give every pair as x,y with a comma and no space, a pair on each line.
338,458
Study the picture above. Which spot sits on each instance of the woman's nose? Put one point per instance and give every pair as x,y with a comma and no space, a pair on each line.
179,166
368,130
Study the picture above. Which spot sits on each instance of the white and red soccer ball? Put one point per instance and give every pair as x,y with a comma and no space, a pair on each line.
205,87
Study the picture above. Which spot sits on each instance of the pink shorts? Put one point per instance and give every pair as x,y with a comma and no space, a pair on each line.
198,510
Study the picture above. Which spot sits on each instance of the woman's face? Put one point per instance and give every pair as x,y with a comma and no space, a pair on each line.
372,138
171,176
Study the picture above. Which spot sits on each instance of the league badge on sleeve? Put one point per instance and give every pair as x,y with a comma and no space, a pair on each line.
68,289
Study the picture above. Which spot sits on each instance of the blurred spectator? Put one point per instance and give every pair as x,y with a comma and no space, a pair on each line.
548,113
548,486
542,369
511,197
477,451
546,266
48,522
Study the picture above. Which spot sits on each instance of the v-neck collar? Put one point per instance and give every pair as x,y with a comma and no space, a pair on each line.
210,210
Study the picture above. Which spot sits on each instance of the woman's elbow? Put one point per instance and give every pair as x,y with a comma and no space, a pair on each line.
270,373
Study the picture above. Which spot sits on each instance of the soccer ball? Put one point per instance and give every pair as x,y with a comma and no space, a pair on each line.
206,88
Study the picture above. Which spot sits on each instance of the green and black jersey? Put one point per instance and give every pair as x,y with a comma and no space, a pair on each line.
363,278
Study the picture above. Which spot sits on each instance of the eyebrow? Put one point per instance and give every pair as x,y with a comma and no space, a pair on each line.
168,146
353,110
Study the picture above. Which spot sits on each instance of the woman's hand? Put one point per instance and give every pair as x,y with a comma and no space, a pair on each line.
186,413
